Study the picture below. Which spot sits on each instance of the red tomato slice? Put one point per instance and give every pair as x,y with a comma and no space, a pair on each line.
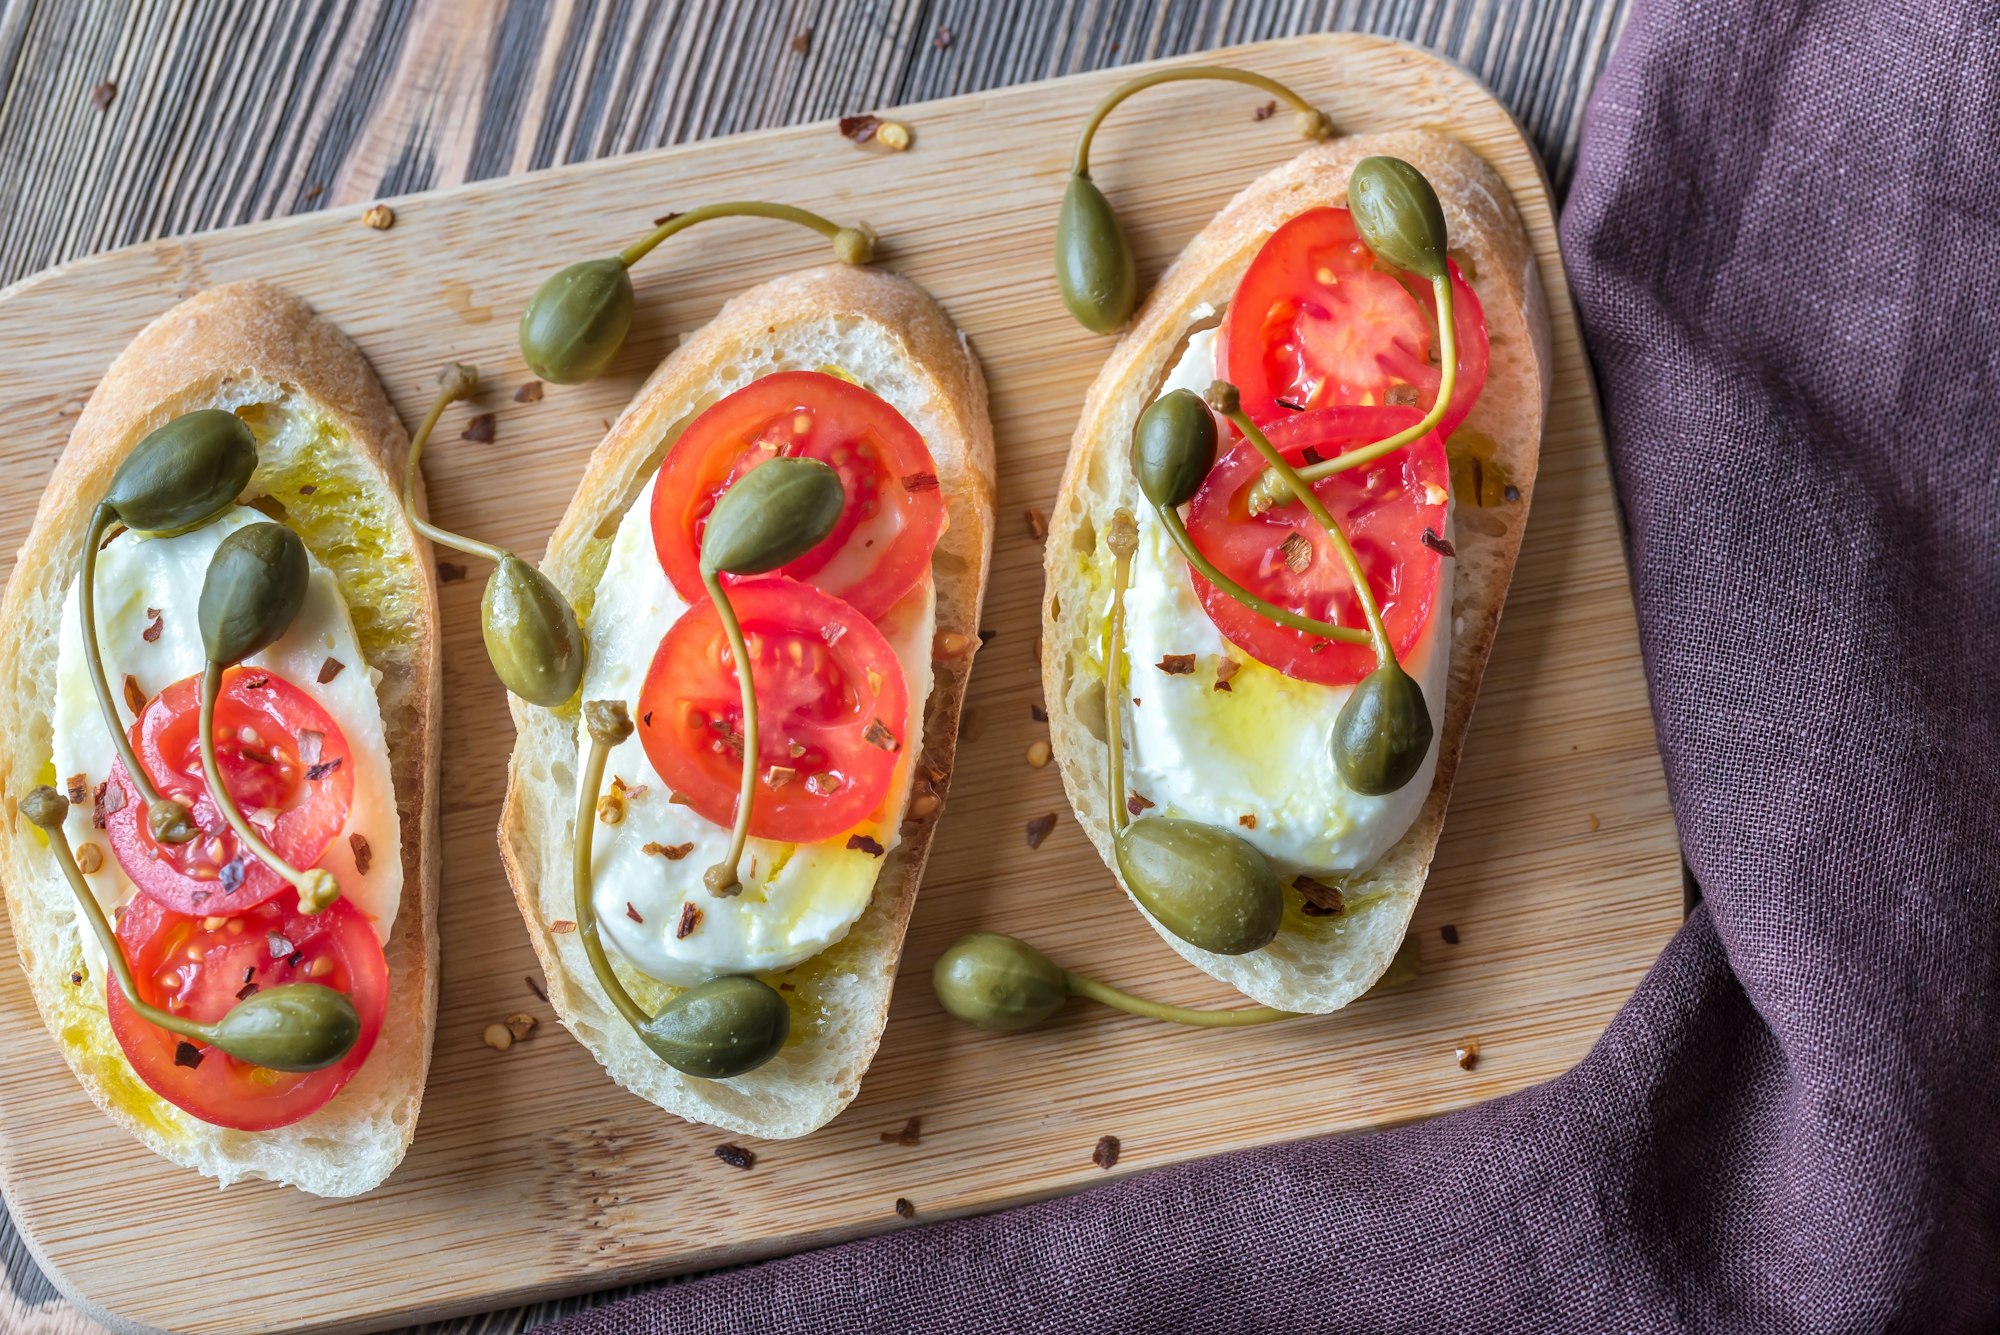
284,760
1316,324
882,544
1383,508
186,967
832,711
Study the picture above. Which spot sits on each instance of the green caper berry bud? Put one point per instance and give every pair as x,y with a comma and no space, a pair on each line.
184,474
1173,448
998,982
607,721
1383,732
854,245
723,1028
532,637
255,585
772,515
577,321
1206,886
1222,397
1398,215
44,807
170,822
1095,271
291,1027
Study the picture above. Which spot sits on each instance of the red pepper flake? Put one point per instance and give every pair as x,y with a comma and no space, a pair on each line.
247,991
1265,112
1039,827
363,855
1438,545
878,735
151,634
535,987
671,852
187,1054
78,786
450,572
1313,456
803,43
823,784
330,669
860,129
1296,553
1449,933
912,1132
1105,1156
736,1157
324,768
1137,803
562,926
310,487
866,845
1176,665
1321,899
76,978
1467,1053
479,428
107,802
101,98
920,482
690,920
135,698
1038,523
1225,672
904,1208
1038,714
256,683
944,39
1248,820
632,913
279,946
232,874
529,393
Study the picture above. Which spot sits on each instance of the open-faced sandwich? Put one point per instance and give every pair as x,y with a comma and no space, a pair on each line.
717,873
1276,566
218,695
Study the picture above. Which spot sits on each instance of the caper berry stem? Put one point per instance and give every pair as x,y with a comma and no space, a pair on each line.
1284,616
316,886
458,381
1223,398
1123,540
853,245
721,879
1270,489
168,820
1312,122
608,725
1080,985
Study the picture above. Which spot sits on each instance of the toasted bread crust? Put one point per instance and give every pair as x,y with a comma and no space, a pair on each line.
781,1099
1301,971
224,339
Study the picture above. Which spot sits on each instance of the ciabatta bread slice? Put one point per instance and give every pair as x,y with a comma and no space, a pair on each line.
323,422
1317,964
889,335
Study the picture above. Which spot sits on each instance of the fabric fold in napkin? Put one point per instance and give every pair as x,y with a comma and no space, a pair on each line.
1784,238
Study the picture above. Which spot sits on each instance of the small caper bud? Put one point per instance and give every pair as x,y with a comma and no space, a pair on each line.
532,637
1222,397
170,822
854,245
44,807
1206,886
1313,124
1383,732
722,1028
607,721
577,321
1095,271
184,474
1173,448
1398,215
458,380
291,1027
773,514
255,585
998,982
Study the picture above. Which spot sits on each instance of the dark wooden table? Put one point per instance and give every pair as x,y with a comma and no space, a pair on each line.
124,122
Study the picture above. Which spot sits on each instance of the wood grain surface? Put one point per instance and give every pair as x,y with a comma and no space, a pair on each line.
541,97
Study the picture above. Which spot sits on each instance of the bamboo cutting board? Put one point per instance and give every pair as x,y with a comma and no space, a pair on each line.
532,1175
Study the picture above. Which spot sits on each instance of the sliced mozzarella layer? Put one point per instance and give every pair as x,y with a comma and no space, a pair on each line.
1262,749
647,868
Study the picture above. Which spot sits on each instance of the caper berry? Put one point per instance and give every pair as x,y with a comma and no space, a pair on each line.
532,637
577,320
772,515
722,1028
1095,271
291,1027
1398,215
255,585
184,474
1383,732
1206,886
998,982
1173,448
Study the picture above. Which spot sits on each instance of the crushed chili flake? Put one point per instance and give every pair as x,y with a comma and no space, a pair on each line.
101,96
561,926
450,572
232,874
1137,802
1176,665
279,946
78,787
943,39
1296,552
824,784
363,855
632,913
535,987
151,634
1038,523
311,741
479,428
736,1156
1297,408
106,802
1438,545
671,852
187,1054
690,920
1449,933
831,633
866,844
779,775
310,487
135,698
1225,671
246,991
878,735
1039,827
904,1208
529,393
1248,820
256,683
1402,396
324,768
803,43
1467,1053
912,1132
1320,899
1105,1156
860,129
1038,714
920,482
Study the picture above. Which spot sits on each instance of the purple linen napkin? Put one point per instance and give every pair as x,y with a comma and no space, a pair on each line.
1784,238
